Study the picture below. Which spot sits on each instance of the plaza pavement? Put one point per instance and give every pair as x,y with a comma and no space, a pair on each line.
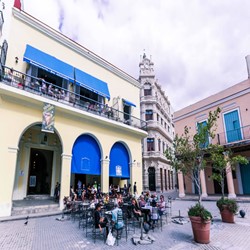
48,233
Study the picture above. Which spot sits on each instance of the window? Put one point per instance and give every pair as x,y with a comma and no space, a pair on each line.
158,117
150,144
149,115
200,126
159,145
161,121
147,89
232,125
163,147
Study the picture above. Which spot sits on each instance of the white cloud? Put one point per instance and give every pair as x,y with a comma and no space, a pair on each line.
198,47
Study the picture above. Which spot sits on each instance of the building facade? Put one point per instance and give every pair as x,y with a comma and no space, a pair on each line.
156,109
233,132
67,114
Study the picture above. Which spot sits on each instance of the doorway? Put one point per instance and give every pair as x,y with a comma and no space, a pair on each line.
40,172
151,179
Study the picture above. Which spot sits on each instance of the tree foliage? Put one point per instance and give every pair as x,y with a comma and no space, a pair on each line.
190,153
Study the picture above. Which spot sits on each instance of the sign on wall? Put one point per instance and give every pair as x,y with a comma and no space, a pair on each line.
48,118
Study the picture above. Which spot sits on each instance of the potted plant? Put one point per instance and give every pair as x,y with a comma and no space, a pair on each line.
188,155
223,162
228,208
201,220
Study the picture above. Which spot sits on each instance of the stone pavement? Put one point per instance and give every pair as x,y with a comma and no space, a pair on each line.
48,233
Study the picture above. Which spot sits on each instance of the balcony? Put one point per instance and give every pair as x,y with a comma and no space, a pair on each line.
50,91
235,138
155,125
155,155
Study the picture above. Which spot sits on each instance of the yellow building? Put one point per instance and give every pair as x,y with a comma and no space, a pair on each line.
67,114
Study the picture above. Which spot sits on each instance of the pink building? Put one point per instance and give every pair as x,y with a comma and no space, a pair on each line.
233,131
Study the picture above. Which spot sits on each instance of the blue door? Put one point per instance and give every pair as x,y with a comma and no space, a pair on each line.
232,124
245,175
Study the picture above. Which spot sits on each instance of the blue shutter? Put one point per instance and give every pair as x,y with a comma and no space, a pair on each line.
232,124
201,125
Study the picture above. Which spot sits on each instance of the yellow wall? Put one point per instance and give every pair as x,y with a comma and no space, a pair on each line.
20,110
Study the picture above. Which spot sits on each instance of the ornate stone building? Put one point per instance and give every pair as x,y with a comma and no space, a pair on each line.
156,109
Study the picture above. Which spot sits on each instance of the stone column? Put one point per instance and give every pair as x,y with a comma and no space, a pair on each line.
230,183
65,177
105,176
8,171
181,184
203,183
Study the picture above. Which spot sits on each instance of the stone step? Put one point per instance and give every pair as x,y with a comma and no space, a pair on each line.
35,209
38,197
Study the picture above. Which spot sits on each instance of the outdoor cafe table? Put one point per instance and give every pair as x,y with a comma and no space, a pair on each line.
147,208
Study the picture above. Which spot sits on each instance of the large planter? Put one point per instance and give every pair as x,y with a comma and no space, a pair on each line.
201,229
227,215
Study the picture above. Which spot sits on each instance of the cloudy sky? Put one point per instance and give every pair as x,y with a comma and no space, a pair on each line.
198,46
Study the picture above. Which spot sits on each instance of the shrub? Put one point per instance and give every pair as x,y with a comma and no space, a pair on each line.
230,204
200,211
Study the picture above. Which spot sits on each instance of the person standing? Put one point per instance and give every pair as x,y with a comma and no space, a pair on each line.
135,189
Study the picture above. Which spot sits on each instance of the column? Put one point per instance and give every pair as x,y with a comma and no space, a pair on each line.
65,177
7,179
230,182
203,184
105,176
181,184
133,176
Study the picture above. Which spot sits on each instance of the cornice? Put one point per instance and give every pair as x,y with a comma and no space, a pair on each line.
62,39
212,105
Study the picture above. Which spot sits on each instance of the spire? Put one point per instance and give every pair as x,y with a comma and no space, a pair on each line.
17,4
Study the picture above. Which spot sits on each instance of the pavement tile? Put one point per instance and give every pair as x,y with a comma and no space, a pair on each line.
48,233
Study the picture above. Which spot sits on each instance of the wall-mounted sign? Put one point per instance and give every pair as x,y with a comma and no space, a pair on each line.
32,181
48,118
118,170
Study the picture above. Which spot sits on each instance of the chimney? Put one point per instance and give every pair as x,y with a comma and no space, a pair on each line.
248,65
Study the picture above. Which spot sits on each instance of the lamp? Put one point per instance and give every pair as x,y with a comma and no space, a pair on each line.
16,59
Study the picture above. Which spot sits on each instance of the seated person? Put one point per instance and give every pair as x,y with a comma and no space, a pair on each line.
117,217
161,205
100,222
142,202
139,213
119,200
106,199
136,209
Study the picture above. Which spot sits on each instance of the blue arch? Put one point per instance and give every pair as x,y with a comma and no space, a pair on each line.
86,156
119,161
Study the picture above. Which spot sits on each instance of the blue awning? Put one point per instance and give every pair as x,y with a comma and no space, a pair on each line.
86,156
128,103
119,162
49,63
91,83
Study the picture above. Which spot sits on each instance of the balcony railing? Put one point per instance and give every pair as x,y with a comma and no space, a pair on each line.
48,90
233,136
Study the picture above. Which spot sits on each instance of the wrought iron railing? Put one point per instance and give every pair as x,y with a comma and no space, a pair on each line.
235,135
48,90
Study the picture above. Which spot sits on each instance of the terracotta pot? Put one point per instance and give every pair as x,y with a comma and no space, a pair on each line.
226,215
201,229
